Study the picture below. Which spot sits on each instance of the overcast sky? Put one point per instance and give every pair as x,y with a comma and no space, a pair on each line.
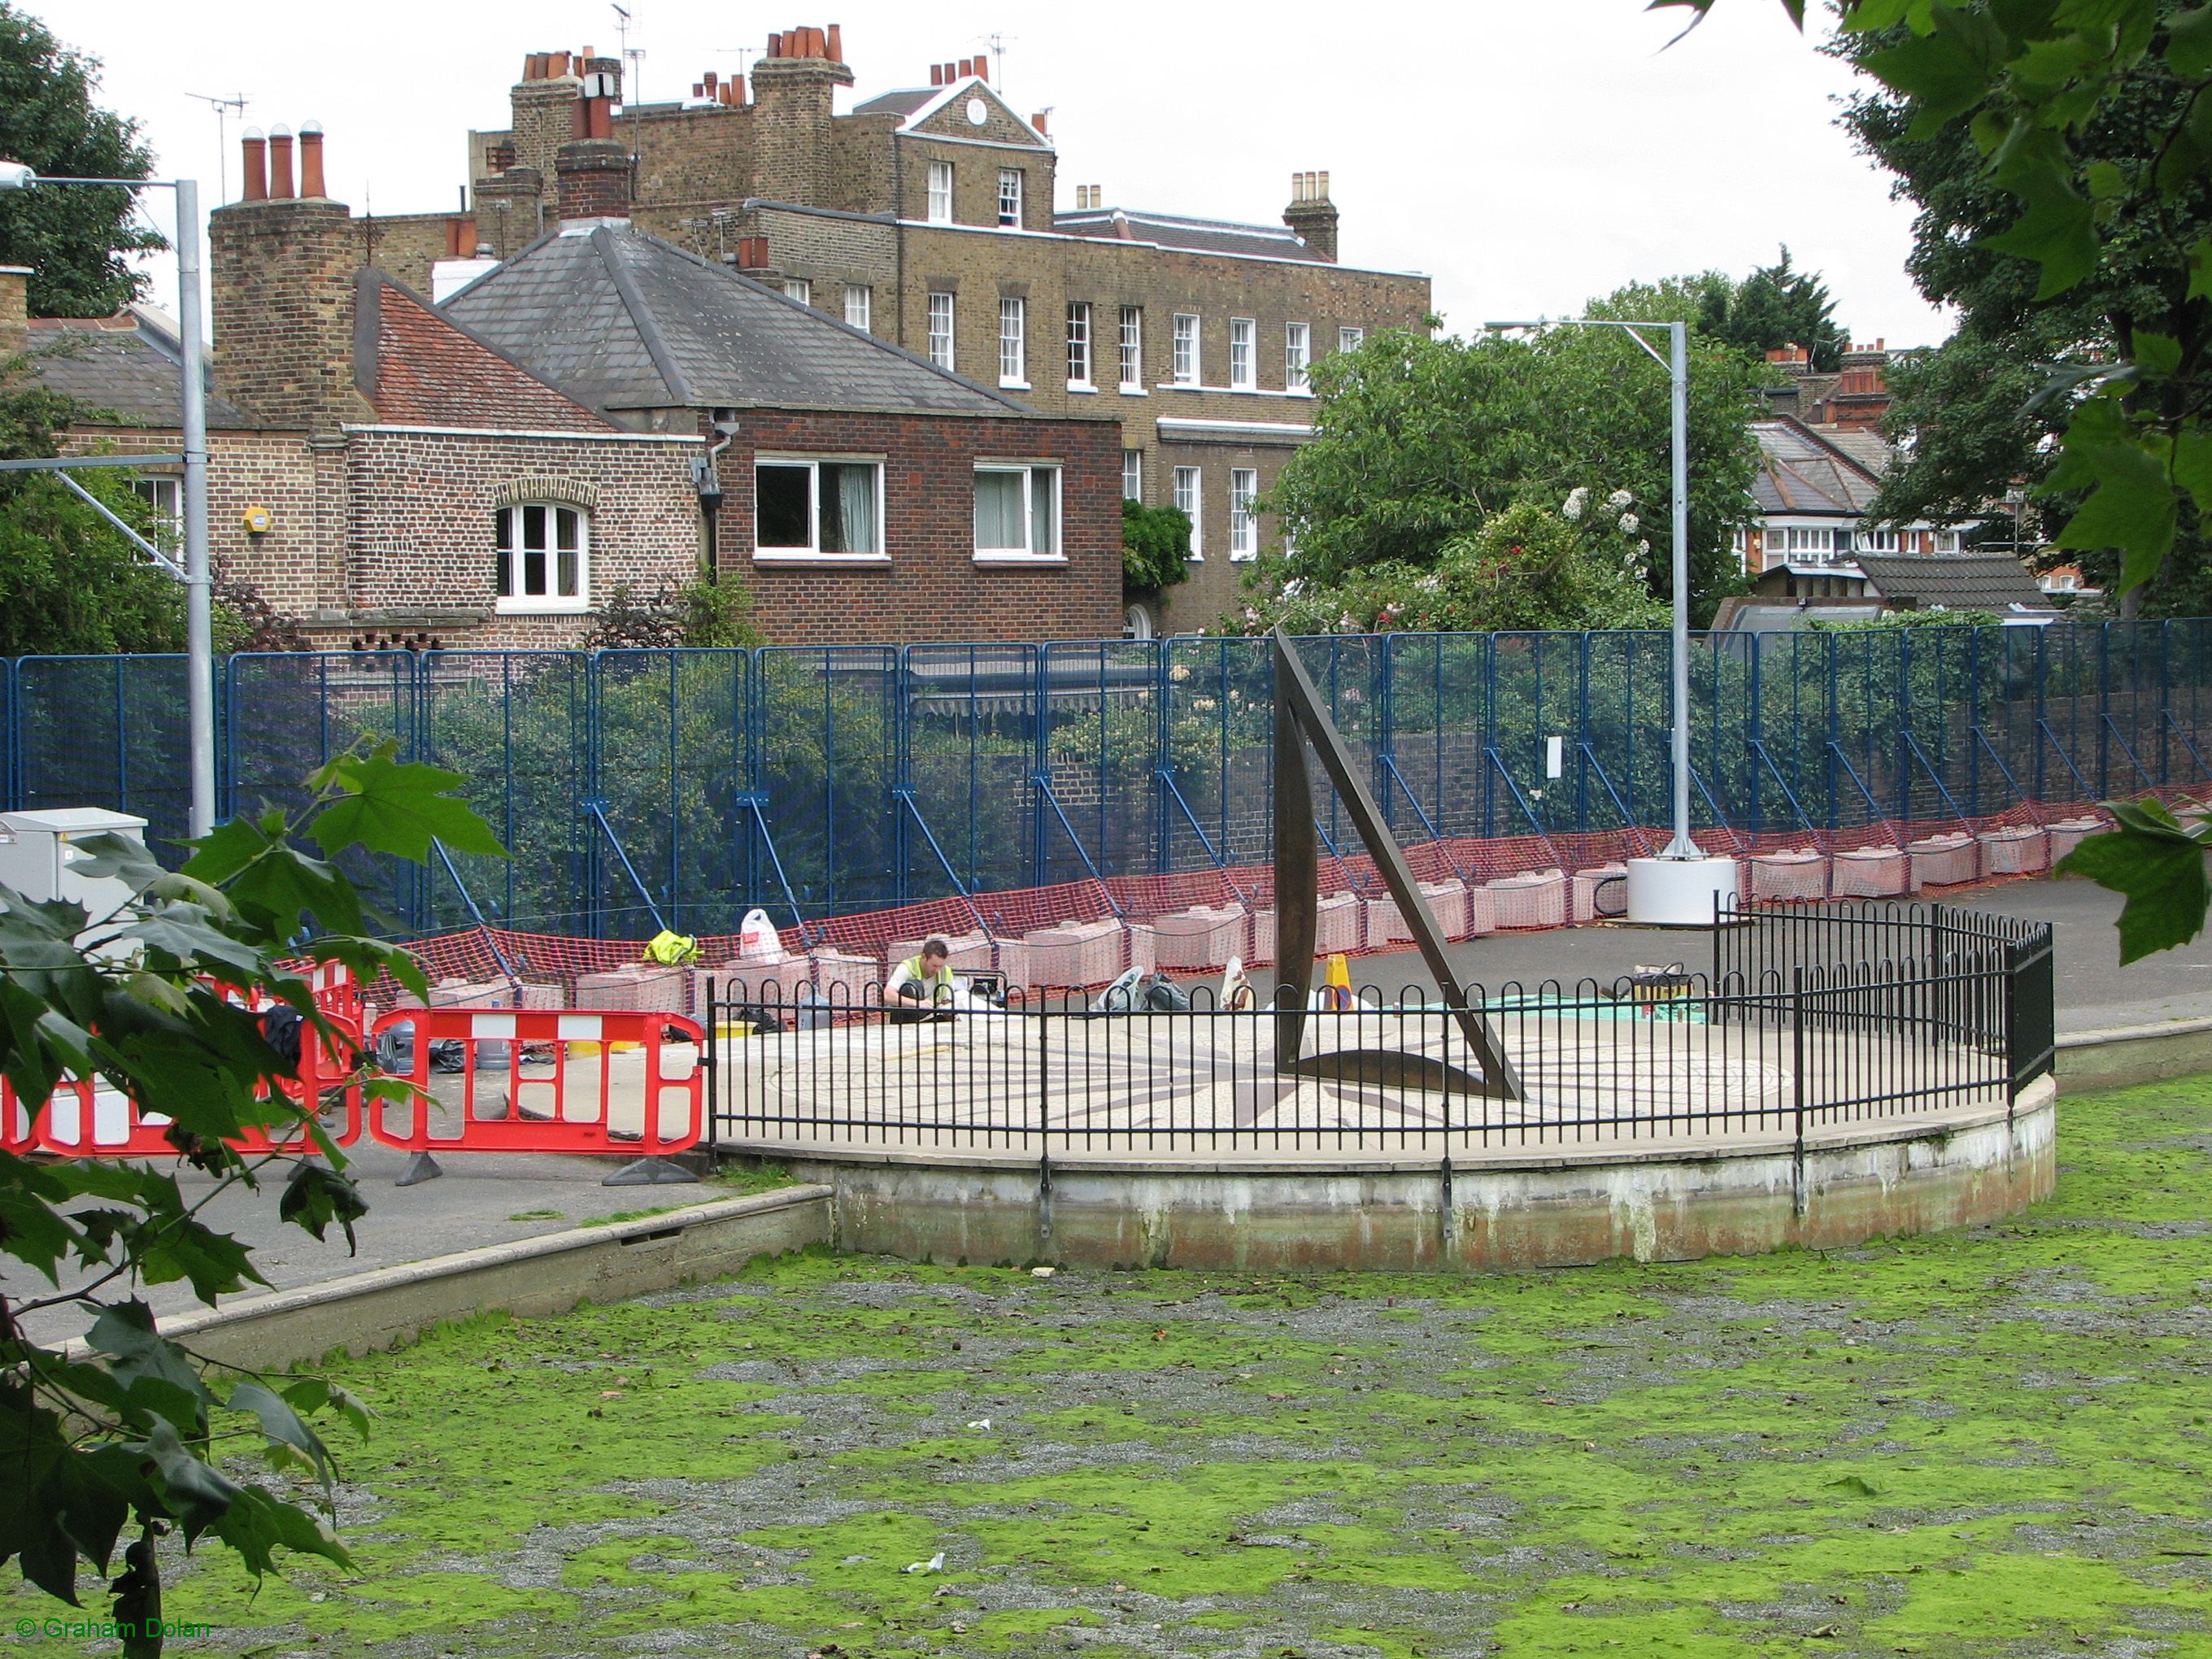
1526,154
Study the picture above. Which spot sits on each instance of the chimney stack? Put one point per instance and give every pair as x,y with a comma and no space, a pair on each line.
280,164
1311,214
256,172
15,310
793,89
281,278
592,181
311,160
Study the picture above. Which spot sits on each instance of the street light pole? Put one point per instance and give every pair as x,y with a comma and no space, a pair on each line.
199,580
1683,846
1679,887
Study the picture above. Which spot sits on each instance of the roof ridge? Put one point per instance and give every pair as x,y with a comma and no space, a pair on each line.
641,317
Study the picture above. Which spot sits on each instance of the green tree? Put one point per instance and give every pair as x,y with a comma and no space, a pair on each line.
1977,416
75,239
74,586
1419,441
1774,307
1155,546
1526,568
136,1434
2083,206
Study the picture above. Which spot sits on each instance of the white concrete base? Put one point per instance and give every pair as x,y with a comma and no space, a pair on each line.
1679,893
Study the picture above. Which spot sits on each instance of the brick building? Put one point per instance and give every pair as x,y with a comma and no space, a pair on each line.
384,472
930,217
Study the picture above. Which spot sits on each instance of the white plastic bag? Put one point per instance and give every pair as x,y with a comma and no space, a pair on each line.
758,941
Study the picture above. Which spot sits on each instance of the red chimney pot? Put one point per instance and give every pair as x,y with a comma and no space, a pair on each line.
280,164
311,160
834,45
257,165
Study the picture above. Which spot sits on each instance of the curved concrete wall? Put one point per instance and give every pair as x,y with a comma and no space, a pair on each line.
1500,1211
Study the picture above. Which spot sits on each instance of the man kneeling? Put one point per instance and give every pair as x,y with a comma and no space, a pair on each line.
921,986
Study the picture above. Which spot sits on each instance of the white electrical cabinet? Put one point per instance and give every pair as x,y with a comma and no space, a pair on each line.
40,852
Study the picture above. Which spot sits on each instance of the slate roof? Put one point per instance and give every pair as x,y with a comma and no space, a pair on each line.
900,104
1956,581
619,319
1800,472
127,365
418,368
1201,235
1870,449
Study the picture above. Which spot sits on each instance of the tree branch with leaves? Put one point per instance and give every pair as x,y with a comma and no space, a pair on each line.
131,1431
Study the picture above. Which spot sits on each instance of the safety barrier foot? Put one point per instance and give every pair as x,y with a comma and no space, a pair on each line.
421,1167
651,1172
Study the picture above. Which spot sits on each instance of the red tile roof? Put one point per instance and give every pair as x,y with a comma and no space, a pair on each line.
418,370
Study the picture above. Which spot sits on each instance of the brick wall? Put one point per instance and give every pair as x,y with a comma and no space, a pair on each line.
932,588
420,532
283,301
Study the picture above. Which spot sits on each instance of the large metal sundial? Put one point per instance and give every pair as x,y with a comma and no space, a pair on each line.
1301,717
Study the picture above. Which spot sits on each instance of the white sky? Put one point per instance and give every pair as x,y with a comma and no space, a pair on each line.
1526,154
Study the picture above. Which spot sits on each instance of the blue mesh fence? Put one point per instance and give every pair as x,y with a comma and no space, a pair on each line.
693,784
106,732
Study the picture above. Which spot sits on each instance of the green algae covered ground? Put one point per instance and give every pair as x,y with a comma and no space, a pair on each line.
1987,1442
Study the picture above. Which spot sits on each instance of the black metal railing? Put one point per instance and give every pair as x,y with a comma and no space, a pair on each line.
1809,1023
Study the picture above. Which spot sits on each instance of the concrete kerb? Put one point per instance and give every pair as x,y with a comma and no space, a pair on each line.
362,1312
2116,1056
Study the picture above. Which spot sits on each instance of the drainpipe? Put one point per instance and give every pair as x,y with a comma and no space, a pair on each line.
707,479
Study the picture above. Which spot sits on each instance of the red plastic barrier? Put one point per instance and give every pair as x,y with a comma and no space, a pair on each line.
559,1081
94,1120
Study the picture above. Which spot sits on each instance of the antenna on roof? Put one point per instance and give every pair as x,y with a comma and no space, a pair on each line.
998,44
633,57
222,106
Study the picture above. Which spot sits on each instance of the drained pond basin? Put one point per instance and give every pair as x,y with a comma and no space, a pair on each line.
1992,1441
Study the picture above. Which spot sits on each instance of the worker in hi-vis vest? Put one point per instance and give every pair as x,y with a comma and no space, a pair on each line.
919,985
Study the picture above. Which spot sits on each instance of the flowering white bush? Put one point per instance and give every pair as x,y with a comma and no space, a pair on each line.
1619,499
1577,498
1628,524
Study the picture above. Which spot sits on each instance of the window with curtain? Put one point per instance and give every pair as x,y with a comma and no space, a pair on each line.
1018,510
940,193
803,507
798,288
1351,339
1133,475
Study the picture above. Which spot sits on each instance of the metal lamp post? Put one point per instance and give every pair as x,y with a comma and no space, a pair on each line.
1680,887
199,635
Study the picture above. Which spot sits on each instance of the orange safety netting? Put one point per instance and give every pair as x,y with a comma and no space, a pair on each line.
1083,933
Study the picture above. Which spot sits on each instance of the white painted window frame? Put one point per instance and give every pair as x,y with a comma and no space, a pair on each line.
812,553
1190,496
1013,342
549,603
943,309
1243,522
1027,468
940,193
